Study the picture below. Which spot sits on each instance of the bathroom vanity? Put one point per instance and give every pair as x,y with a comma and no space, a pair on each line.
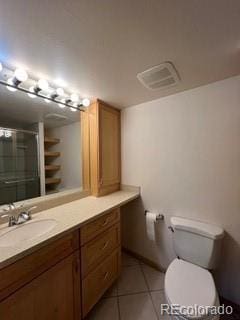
62,274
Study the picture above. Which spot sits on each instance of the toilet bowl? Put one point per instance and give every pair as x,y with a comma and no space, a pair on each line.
188,285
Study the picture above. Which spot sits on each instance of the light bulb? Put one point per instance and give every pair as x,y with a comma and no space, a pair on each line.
31,89
86,102
60,92
1,66
62,105
74,97
10,81
20,74
42,84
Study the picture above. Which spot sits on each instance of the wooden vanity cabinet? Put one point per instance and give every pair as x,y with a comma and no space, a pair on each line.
101,148
43,285
65,278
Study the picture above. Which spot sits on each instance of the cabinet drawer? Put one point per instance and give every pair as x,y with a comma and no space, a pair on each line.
99,280
99,248
24,270
94,228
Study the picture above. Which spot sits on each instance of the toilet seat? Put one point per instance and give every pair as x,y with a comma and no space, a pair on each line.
187,284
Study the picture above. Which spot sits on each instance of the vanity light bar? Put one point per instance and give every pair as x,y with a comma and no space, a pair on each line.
20,75
79,106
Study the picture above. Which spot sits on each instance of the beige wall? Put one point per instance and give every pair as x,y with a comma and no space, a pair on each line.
184,152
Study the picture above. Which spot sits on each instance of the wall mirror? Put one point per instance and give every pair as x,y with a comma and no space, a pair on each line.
40,147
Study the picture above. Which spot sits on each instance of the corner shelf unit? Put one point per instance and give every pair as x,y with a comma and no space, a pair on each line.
52,168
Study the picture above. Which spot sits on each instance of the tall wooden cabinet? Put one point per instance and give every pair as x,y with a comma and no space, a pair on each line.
104,148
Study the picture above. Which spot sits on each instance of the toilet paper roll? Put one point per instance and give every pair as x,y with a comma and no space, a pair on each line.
150,224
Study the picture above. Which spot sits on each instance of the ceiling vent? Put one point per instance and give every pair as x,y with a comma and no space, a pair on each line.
159,77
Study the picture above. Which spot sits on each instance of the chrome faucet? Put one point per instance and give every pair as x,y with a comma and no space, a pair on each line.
17,215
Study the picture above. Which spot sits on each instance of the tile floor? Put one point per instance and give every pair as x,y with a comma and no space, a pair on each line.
136,295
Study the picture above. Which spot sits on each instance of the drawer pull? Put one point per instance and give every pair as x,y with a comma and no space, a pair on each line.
106,275
105,245
96,227
105,222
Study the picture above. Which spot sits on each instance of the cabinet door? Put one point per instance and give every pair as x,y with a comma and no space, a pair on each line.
53,295
109,149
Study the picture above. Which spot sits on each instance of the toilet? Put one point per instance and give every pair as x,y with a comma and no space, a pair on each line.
188,281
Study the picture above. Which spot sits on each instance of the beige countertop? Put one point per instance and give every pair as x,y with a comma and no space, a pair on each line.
68,216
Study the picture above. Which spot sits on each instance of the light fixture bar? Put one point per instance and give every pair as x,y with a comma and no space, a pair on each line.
38,94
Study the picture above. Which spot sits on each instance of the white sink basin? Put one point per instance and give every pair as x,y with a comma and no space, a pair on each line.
28,231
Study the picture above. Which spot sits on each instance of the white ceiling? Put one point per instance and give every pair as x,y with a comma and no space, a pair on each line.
98,46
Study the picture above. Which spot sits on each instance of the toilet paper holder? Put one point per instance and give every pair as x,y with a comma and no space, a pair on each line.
159,216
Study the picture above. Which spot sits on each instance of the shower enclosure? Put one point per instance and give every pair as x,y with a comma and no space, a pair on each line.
19,165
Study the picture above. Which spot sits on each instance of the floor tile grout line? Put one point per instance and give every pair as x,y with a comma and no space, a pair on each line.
149,292
136,293
129,294
132,293
144,278
117,296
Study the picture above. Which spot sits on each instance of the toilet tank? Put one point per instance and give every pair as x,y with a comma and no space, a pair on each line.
197,242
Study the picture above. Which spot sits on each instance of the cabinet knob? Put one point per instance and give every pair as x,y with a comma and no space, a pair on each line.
106,275
105,222
105,245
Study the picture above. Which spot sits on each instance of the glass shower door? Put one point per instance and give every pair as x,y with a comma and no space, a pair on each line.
19,174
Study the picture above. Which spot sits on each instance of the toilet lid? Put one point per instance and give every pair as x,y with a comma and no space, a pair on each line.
187,284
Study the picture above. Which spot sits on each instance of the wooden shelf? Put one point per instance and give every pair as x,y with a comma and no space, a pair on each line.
52,167
52,154
52,181
50,140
